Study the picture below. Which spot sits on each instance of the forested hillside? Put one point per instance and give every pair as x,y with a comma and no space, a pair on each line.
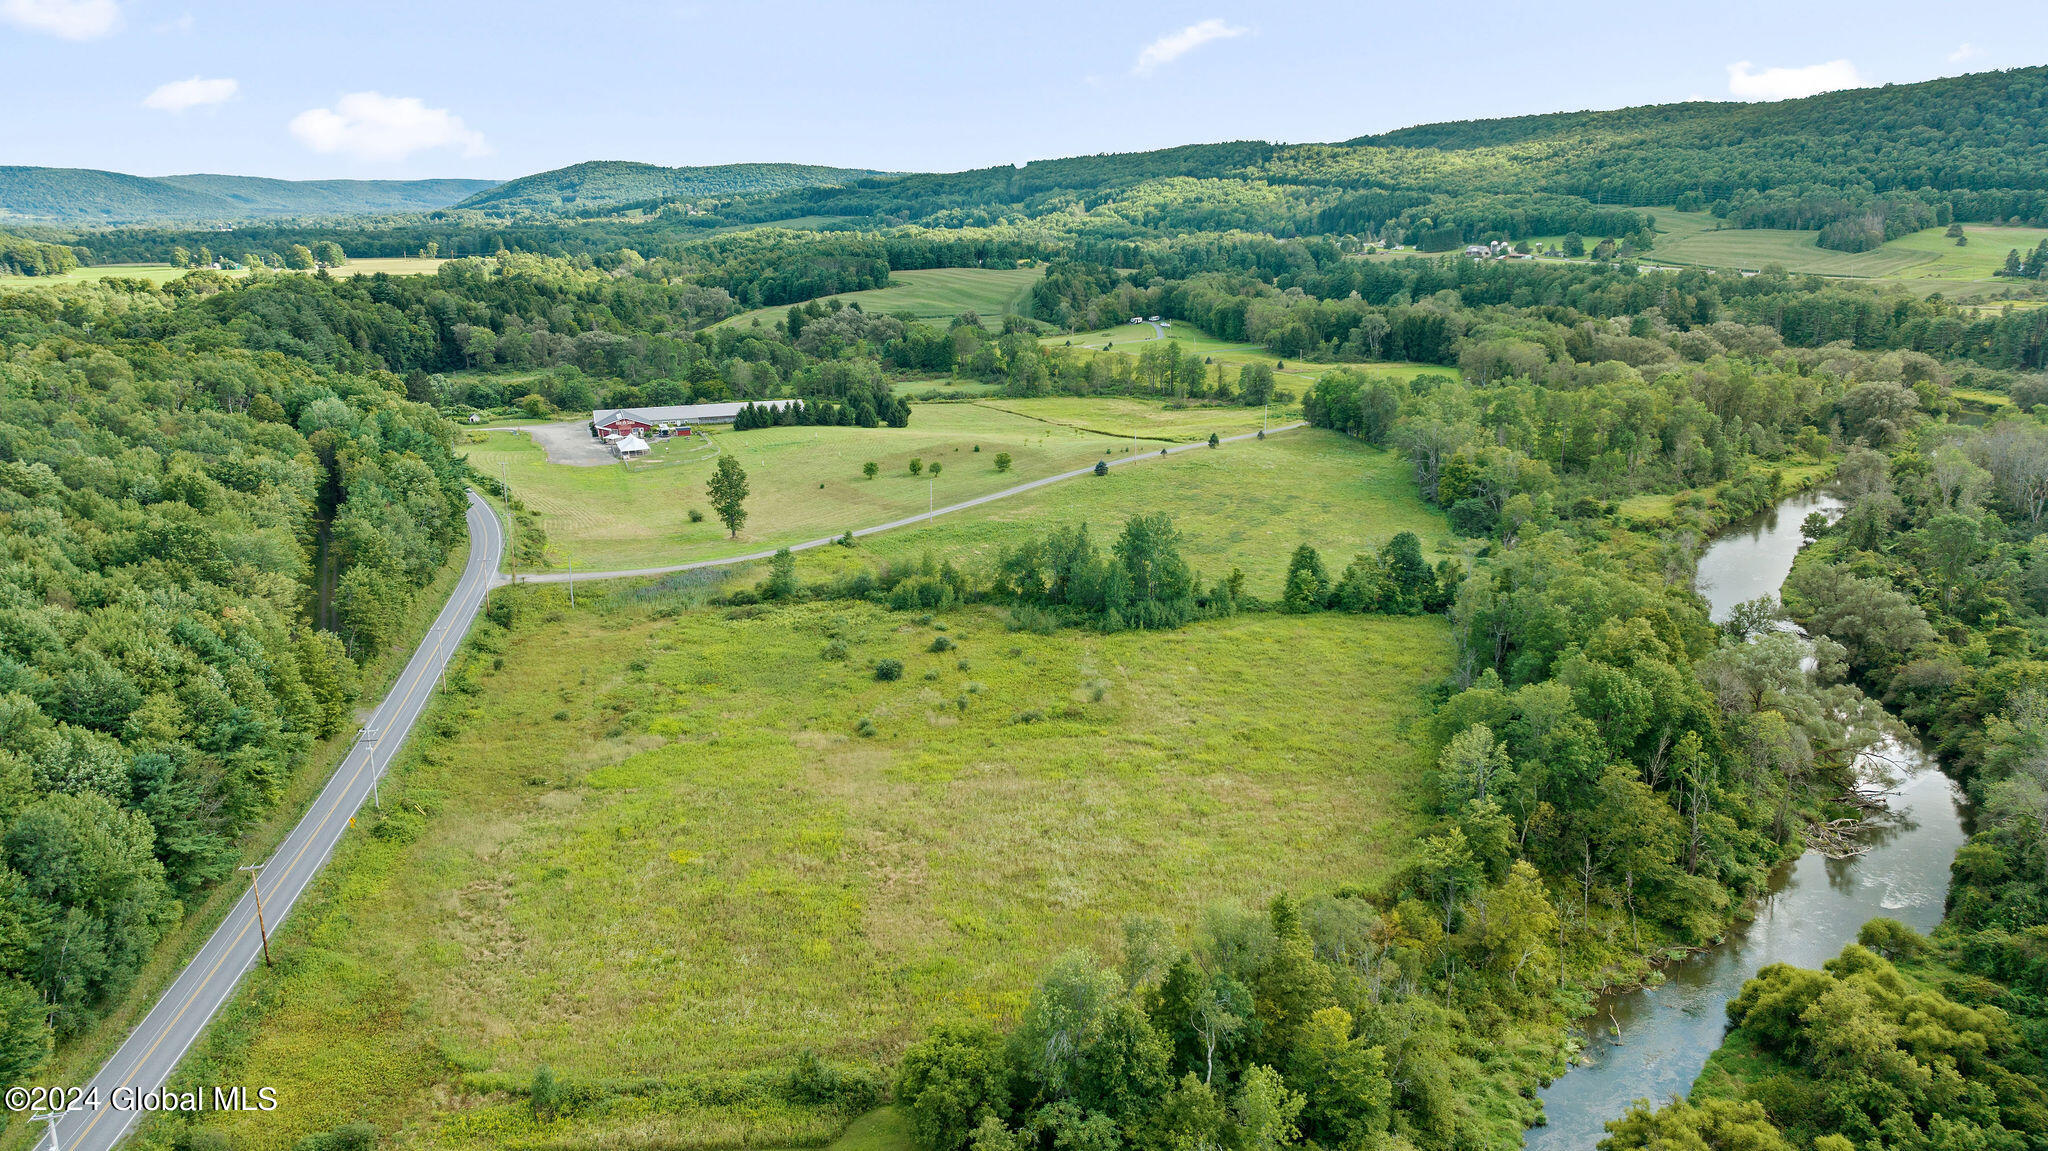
88,196
600,183
162,500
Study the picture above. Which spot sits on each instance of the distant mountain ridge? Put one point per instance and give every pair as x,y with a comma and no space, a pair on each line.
598,183
91,196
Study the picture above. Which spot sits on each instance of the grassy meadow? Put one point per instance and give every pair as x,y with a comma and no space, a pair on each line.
164,273
1927,261
654,848
807,481
1130,339
1246,505
931,294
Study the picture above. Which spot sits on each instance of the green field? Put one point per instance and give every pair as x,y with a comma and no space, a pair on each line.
658,848
1927,261
1295,376
807,481
1245,505
1144,419
932,294
164,273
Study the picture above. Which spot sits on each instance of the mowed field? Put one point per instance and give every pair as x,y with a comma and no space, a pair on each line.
658,848
1246,505
931,294
1926,260
807,481
164,273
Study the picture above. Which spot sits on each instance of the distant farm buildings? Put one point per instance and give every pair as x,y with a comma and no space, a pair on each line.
671,419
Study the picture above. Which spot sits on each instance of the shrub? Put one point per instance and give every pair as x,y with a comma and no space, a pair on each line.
696,515
888,670
1213,441
865,728
1101,467
942,643
834,650
1002,461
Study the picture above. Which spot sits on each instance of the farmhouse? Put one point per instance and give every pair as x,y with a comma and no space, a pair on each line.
639,421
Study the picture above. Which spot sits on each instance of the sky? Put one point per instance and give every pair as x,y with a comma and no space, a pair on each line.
377,89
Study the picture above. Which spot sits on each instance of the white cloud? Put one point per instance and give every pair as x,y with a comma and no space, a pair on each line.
1792,83
183,95
1174,45
69,19
1964,51
373,126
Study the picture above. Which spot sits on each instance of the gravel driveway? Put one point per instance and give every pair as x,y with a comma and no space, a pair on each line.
569,443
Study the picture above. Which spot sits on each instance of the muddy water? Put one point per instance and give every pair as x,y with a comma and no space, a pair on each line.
1650,1044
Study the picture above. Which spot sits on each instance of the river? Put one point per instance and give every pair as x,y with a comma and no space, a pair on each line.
1651,1043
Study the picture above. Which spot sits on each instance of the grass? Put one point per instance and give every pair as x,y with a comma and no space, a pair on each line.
1245,505
807,481
931,294
657,848
1296,376
1143,419
164,273
76,1061
1927,261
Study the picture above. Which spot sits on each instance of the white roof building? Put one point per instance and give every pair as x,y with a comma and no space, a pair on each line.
631,446
682,413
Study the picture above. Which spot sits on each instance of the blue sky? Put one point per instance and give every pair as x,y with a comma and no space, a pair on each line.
426,88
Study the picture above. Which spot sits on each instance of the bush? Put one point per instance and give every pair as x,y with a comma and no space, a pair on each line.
942,643
865,728
1101,467
888,670
834,650
696,516
1002,461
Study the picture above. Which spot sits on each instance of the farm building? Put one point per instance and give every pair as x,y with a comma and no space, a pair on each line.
630,447
640,421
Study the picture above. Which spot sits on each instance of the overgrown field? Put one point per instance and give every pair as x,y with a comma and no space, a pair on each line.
807,481
933,294
1246,505
662,849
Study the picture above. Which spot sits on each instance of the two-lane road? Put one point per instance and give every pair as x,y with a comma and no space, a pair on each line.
153,1050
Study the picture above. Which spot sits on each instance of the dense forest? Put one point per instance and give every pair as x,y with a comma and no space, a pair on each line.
165,496
1934,583
84,195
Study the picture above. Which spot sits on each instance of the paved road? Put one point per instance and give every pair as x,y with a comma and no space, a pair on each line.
564,577
152,1052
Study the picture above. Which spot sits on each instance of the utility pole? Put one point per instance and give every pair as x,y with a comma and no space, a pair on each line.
55,1143
572,581
261,928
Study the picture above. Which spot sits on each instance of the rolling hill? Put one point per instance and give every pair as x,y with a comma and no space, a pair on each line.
597,183
90,196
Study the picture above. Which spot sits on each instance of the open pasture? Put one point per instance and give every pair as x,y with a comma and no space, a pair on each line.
806,481
660,849
936,294
1246,505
